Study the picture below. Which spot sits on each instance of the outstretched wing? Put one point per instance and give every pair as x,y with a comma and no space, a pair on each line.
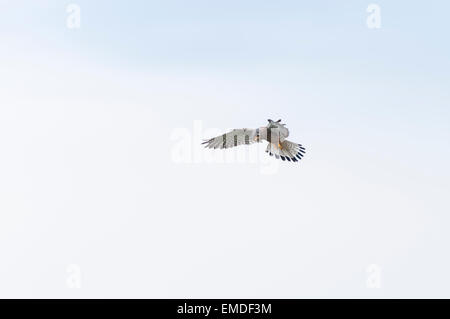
234,138
286,150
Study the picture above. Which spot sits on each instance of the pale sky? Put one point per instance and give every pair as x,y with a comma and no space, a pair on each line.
90,119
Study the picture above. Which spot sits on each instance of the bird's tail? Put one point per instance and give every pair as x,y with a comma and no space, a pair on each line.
286,150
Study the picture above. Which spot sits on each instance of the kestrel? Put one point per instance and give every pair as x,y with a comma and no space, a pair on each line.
275,133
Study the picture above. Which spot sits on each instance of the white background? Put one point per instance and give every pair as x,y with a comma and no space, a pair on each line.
92,191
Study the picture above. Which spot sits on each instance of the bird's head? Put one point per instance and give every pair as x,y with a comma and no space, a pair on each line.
273,124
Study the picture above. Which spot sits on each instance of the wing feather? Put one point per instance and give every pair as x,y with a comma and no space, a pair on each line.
234,138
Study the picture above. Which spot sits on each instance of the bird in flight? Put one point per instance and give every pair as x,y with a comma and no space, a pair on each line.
275,133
